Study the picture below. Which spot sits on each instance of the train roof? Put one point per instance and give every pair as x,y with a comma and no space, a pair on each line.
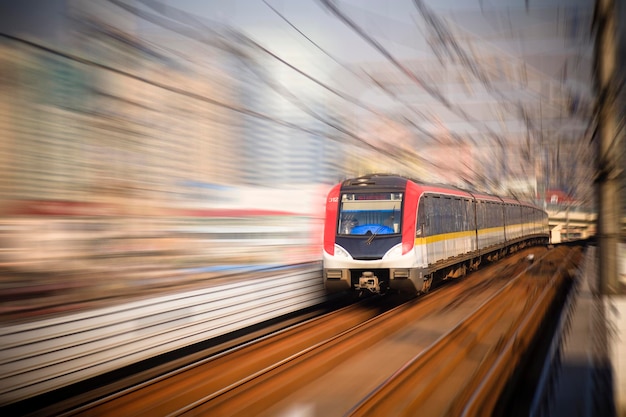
375,181
391,181
387,181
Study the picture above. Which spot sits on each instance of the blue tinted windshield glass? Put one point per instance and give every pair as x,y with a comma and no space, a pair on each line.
371,213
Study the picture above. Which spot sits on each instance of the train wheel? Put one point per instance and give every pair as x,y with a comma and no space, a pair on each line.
428,282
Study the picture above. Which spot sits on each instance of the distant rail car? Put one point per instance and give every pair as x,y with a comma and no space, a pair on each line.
387,232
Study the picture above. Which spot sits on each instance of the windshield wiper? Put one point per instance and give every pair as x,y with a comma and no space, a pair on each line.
382,226
371,238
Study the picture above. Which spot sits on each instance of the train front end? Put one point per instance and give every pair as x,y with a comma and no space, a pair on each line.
369,235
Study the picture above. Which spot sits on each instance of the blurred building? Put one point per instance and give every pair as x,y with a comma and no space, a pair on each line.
144,105
290,145
128,111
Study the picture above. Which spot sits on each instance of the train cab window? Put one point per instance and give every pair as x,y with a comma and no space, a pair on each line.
370,213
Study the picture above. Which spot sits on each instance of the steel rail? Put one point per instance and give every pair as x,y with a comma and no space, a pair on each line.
306,353
385,391
326,321
261,391
188,392
485,396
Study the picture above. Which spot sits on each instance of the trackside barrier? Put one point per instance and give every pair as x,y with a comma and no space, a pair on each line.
38,357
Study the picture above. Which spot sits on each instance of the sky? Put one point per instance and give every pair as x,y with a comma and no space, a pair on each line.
39,19
392,21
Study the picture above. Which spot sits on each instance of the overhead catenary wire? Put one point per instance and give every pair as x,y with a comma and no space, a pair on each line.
183,16
453,48
365,77
411,75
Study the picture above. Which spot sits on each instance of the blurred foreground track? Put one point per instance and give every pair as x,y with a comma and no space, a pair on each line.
56,356
449,352
474,358
28,297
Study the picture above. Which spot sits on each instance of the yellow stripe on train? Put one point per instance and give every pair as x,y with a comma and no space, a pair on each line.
471,233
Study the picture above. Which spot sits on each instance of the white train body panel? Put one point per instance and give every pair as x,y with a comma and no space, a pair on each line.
490,237
442,247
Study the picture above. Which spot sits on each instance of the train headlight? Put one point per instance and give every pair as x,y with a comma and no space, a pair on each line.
394,252
341,252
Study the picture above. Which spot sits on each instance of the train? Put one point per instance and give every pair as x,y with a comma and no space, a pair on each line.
385,232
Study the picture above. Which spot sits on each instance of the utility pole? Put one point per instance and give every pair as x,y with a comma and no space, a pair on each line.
607,164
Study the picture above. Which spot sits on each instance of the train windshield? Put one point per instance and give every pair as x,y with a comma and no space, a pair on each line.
370,213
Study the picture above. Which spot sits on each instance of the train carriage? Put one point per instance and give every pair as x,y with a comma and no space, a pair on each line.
387,232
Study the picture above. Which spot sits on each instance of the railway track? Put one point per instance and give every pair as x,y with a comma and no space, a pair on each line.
436,354
473,358
175,390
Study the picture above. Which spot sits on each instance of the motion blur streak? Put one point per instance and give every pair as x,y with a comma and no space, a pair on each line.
117,176
146,145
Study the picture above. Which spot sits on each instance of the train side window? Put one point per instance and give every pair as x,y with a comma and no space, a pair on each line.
434,215
440,215
430,210
483,215
469,212
420,230
459,214
495,216
448,220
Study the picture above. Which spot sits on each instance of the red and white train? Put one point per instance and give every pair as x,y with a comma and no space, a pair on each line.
387,232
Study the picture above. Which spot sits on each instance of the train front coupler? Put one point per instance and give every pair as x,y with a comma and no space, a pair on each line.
369,281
